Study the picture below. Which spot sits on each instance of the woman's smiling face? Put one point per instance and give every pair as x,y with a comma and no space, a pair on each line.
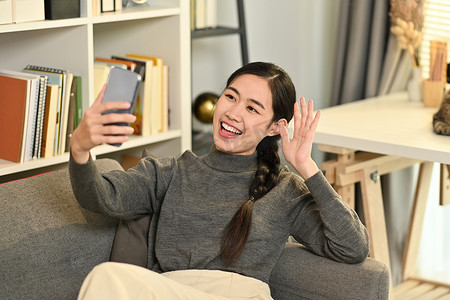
243,116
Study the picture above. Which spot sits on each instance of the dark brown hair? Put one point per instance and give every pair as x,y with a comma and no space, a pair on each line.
237,231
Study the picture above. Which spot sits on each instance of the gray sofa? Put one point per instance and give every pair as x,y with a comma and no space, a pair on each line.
48,244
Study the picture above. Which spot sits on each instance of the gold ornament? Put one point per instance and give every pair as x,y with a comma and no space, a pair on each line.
204,107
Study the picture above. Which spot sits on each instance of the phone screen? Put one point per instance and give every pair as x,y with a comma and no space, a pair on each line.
122,85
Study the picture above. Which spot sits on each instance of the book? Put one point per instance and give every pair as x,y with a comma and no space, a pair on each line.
30,130
118,63
6,12
55,76
140,65
119,4
40,116
14,101
157,91
28,10
49,128
192,14
78,102
200,14
146,98
65,112
101,72
165,100
211,13
71,113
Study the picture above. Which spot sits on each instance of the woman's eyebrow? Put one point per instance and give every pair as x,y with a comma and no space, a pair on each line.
257,103
254,101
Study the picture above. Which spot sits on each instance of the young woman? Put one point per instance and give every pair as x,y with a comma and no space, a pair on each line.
224,218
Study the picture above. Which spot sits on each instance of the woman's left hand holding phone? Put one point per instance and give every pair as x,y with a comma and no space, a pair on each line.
93,131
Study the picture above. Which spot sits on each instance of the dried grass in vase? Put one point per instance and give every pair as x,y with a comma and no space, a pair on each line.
407,21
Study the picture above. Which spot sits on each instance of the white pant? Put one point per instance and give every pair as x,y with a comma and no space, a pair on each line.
124,281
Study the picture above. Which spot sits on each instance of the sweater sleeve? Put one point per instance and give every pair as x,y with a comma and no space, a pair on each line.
126,195
327,226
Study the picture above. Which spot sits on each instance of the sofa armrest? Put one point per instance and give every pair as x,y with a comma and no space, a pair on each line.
300,274
48,243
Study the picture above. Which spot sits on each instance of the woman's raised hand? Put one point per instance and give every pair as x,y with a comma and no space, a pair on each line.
298,150
93,131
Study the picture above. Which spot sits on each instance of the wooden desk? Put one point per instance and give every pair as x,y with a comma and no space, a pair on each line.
376,136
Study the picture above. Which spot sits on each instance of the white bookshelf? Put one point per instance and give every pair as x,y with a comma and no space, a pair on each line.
159,29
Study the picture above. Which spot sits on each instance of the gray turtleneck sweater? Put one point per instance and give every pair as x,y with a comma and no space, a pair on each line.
196,197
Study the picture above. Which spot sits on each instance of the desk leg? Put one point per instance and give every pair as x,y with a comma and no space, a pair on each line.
374,216
344,156
375,220
445,185
412,242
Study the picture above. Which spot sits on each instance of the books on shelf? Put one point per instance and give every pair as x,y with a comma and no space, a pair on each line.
158,108
59,77
42,121
125,64
148,90
152,108
41,106
141,69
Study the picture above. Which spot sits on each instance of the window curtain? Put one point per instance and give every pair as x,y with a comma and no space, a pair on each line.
369,63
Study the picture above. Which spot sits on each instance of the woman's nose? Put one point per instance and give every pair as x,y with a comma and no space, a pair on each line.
235,113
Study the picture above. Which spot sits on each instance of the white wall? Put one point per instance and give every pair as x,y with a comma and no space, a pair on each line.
298,35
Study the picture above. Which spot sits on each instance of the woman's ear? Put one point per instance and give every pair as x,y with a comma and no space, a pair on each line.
275,128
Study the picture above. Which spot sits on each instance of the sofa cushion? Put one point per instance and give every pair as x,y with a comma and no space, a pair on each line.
48,243
131,242
134,238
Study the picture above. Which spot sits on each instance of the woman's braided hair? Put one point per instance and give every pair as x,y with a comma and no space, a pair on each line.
236,233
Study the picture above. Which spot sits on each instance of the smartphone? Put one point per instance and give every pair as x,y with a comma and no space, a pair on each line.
122,85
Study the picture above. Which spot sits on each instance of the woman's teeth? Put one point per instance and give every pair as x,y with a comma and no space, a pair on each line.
230,129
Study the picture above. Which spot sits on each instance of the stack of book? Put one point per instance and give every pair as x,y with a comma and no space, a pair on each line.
39,109
152,107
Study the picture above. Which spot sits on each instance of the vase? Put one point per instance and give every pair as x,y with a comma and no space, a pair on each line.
414,86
